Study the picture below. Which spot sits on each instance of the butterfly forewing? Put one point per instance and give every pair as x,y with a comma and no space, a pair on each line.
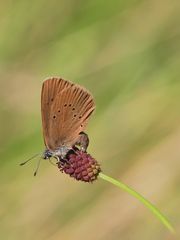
68,113
50,88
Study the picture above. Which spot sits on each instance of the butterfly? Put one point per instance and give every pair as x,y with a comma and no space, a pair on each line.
65,109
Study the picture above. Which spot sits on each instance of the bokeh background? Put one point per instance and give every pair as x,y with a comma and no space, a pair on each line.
127,53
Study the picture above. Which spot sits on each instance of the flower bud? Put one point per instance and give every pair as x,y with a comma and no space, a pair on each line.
81,166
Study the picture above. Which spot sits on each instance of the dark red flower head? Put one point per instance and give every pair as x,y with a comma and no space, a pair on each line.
81,166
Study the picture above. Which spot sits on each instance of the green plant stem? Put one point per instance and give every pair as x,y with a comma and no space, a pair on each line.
149,205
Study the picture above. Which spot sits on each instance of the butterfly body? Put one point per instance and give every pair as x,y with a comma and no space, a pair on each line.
59,153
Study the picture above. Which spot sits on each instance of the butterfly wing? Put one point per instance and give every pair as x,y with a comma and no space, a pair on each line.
50,88
68,113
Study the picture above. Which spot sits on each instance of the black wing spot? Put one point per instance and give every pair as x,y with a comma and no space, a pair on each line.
74,115
69,105
54,116
73,109
65,105
80,117
81,125
58,111
52,99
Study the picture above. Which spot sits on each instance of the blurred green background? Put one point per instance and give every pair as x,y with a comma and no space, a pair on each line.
127,53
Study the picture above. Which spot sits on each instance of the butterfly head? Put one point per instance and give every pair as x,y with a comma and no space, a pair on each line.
47,154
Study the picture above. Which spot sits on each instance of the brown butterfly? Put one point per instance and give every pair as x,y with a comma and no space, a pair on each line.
65,109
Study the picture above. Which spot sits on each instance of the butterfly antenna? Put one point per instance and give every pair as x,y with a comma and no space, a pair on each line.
38,164
21,164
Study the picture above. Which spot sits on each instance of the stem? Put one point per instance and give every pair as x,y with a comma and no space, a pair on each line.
149,205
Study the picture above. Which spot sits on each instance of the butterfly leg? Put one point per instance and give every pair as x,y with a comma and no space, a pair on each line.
83,141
